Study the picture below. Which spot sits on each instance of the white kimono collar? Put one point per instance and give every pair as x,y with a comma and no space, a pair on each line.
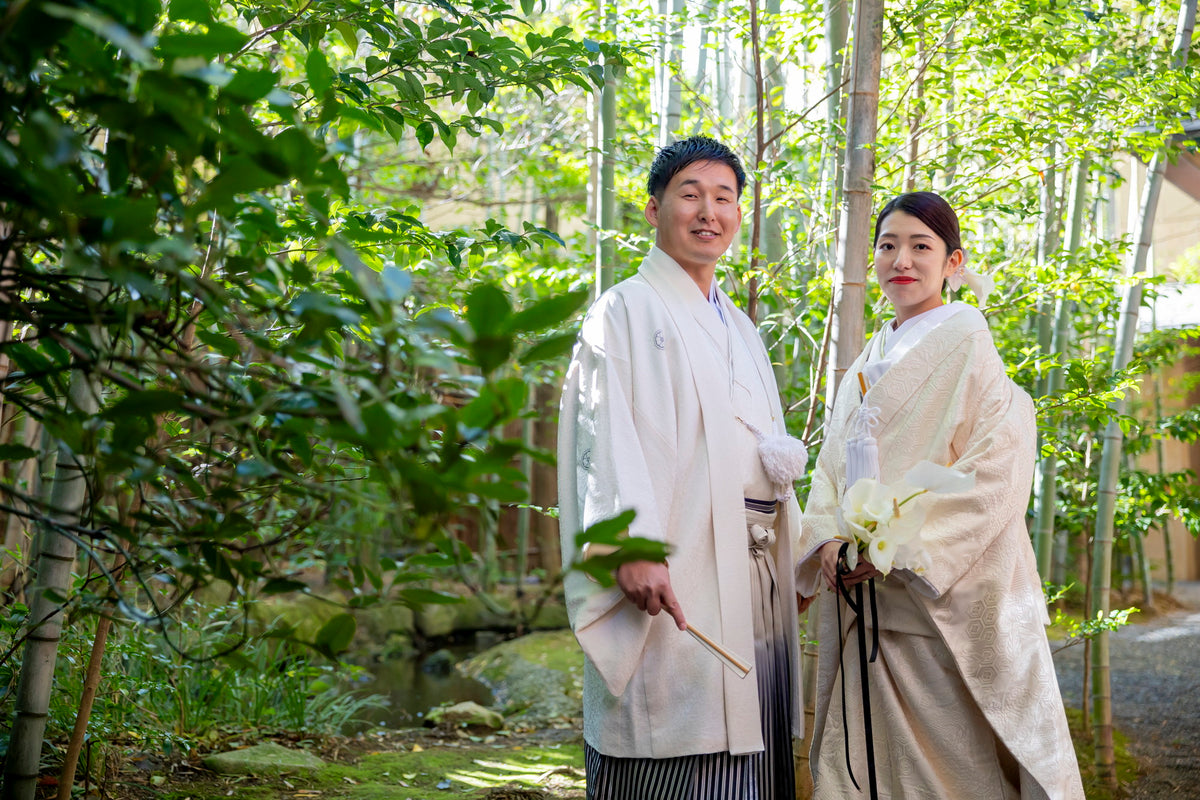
662,271
887,348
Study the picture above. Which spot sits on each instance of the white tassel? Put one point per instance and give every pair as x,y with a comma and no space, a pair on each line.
862,451
862,459
783,458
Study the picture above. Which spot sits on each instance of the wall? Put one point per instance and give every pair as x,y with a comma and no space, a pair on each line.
1176,396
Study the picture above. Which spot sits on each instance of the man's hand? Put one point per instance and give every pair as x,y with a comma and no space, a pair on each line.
647,584
829,565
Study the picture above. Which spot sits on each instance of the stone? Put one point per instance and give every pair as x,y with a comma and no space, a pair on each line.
263,759
439,662
436,619
465,715
536,679
379,621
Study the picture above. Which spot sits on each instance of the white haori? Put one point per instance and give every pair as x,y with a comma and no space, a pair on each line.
648,422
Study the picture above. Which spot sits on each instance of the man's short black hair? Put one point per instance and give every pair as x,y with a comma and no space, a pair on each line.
685,152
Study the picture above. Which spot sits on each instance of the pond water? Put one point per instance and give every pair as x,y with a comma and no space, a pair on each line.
415,684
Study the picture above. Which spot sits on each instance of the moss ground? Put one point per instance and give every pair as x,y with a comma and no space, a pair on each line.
407,765
1093,787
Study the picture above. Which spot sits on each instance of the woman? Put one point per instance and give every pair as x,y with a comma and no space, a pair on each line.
963,698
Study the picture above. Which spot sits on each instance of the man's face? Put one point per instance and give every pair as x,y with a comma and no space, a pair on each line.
698,214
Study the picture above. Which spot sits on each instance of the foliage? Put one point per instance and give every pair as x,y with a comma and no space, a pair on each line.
1076,630
181,220
614,548
162,691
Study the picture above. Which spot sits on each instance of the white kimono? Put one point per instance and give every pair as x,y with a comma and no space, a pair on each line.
964,660
647,422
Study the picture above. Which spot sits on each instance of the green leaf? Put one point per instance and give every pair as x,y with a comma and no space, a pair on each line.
240,175
606,531
499,490
218,40
298,152
131,45
217,562
336,634
224,344
424,133
548,349
488,311
549,312
349,35
249,85
396,283
283,586
16,452
433,560
603,567
320,76
190,11
146,402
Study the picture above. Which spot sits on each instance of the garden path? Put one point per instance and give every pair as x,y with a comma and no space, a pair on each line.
1156,695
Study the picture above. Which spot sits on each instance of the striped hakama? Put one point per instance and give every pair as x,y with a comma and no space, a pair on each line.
767,775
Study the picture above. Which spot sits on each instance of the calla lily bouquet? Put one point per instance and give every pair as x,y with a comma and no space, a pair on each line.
884,522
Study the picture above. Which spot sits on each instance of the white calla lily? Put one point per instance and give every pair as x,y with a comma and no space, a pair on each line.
933,477
882,552
884,522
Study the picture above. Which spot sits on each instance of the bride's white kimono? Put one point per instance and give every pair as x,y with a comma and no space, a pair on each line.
964,660
647,422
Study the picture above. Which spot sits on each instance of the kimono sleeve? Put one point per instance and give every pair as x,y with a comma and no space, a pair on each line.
996,442
602,472
819,523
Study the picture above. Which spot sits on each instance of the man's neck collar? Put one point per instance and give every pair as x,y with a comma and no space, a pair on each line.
703,275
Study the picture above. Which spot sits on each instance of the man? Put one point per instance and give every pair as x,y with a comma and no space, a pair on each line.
667,398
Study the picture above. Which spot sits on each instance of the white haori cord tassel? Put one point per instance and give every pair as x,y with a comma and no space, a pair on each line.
783,459
862,451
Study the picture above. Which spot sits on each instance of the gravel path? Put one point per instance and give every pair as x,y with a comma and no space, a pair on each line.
1156,696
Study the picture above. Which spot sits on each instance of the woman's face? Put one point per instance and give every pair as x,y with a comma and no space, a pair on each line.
911,262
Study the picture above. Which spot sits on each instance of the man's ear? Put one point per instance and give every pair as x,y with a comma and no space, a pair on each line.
651,211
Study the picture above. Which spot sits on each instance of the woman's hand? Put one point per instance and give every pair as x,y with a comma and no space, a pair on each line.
829,566
802,602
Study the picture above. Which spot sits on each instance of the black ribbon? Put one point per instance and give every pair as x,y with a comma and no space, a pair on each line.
856,605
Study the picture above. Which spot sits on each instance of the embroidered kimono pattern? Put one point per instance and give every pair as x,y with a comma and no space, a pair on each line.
649,421
964,699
